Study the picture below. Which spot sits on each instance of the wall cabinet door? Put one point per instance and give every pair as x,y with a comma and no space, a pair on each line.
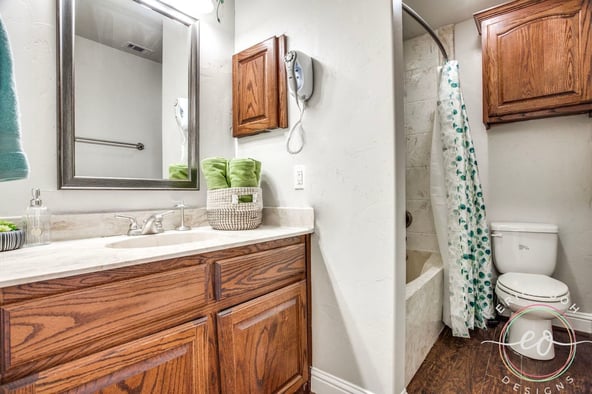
172,361
263,343
536,59
259,98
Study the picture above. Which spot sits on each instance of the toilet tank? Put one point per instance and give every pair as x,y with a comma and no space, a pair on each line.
524,247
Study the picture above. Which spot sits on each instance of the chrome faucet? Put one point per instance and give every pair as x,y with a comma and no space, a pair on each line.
152,225
133,229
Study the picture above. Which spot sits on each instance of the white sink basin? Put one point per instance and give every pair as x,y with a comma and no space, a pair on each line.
151,241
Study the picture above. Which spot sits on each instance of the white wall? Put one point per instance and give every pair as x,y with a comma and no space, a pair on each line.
349,159
538,170
31,26
132,115
176,46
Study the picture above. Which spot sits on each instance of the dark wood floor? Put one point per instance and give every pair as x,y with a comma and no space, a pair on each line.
456,365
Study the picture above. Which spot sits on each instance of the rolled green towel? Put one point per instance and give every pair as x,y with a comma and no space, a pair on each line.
214,170
178,171
244,173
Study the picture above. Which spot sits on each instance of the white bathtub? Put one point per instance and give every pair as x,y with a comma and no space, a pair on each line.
424,307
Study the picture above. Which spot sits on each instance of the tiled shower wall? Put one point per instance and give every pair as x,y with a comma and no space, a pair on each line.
422,58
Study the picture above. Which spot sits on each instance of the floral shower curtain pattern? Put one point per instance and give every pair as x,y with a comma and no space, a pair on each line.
469,246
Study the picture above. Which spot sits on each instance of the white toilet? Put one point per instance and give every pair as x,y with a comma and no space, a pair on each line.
526,254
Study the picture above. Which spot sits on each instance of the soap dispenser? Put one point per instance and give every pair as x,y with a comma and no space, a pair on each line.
38,220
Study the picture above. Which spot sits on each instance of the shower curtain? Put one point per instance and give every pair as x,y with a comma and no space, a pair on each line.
459,212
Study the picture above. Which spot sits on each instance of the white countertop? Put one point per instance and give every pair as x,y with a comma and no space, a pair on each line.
68,258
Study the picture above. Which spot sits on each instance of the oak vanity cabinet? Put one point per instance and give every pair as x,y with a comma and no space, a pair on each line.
229,321
536,59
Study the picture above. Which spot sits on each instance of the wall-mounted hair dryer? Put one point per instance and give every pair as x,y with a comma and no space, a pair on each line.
300,84
181,113
181,107
300,76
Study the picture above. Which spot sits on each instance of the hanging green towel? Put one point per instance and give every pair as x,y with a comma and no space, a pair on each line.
13,161
214,170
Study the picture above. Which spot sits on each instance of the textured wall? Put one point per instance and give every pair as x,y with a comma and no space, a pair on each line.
349,159
175,39
422,58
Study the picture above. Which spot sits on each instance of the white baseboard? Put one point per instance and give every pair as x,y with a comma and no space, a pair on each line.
579,321
325,383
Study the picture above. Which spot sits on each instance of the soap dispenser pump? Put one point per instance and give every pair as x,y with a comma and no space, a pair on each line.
38,220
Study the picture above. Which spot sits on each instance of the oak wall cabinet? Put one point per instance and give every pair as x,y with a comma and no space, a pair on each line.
259,95
229,321
536,59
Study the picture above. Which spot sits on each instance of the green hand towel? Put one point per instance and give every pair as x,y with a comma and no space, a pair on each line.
178,171
214,170
13,161
244,173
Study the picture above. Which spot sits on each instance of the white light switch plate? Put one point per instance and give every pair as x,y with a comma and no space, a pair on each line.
299,177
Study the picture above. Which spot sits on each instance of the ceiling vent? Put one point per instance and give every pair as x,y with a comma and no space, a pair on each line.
137,48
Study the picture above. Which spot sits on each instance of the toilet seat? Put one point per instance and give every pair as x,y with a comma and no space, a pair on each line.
518,291
533,287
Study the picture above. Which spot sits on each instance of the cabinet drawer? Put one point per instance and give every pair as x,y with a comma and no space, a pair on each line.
279,266
172,361
42,327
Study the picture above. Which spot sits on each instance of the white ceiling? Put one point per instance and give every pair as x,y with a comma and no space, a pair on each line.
116,23
439,13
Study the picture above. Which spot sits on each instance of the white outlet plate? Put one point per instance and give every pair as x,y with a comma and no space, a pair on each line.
299,177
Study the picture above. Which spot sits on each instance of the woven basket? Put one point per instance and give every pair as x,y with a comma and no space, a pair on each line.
226,211
11,240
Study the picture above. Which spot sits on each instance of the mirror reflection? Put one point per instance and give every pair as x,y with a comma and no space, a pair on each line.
132,97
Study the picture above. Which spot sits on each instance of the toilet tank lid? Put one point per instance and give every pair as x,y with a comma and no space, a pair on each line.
525,227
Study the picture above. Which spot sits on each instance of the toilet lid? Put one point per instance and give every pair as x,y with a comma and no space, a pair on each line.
534,287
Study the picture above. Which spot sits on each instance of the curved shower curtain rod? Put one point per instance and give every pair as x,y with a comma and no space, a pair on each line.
427,27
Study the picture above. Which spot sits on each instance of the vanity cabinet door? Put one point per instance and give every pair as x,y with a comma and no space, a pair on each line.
172,361
263,343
